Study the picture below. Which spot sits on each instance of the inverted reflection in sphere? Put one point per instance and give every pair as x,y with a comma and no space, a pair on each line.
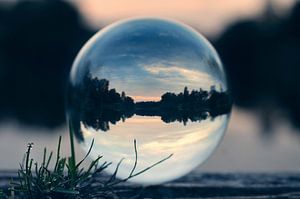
153,80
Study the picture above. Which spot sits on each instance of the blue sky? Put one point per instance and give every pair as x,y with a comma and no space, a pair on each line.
149,57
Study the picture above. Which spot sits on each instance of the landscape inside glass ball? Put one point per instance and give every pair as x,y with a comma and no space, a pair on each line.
154,80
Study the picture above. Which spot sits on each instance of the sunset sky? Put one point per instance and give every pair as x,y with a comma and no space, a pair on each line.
208,16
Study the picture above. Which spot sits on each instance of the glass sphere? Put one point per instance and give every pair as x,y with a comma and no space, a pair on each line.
155,81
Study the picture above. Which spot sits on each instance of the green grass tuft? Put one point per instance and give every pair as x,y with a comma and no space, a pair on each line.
68,179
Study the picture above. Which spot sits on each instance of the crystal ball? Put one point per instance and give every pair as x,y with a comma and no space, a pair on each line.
153,80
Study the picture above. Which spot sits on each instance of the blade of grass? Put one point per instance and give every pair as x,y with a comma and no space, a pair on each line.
49,159
87,154
113,176
135,162
57,154
72,160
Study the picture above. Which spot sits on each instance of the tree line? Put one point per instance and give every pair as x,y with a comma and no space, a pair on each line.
99,105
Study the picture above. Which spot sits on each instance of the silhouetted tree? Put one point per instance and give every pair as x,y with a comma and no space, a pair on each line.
97,105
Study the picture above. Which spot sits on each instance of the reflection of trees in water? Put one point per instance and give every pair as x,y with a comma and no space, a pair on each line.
99,106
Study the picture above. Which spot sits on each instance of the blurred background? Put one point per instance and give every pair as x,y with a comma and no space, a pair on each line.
258,41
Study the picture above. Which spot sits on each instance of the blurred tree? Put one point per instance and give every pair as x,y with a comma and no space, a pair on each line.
262,59
38,42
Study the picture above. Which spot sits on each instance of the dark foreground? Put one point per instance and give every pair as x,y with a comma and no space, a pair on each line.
212,185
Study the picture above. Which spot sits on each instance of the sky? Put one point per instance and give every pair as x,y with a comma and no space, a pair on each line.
210,17
154,57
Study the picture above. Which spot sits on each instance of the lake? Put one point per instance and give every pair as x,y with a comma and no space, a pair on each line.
244,148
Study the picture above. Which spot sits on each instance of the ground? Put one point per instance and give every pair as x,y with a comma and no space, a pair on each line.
212,185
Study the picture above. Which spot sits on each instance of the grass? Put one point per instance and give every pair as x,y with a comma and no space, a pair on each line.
68,179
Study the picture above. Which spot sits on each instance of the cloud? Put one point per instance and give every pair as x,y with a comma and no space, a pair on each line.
179,75
172,71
